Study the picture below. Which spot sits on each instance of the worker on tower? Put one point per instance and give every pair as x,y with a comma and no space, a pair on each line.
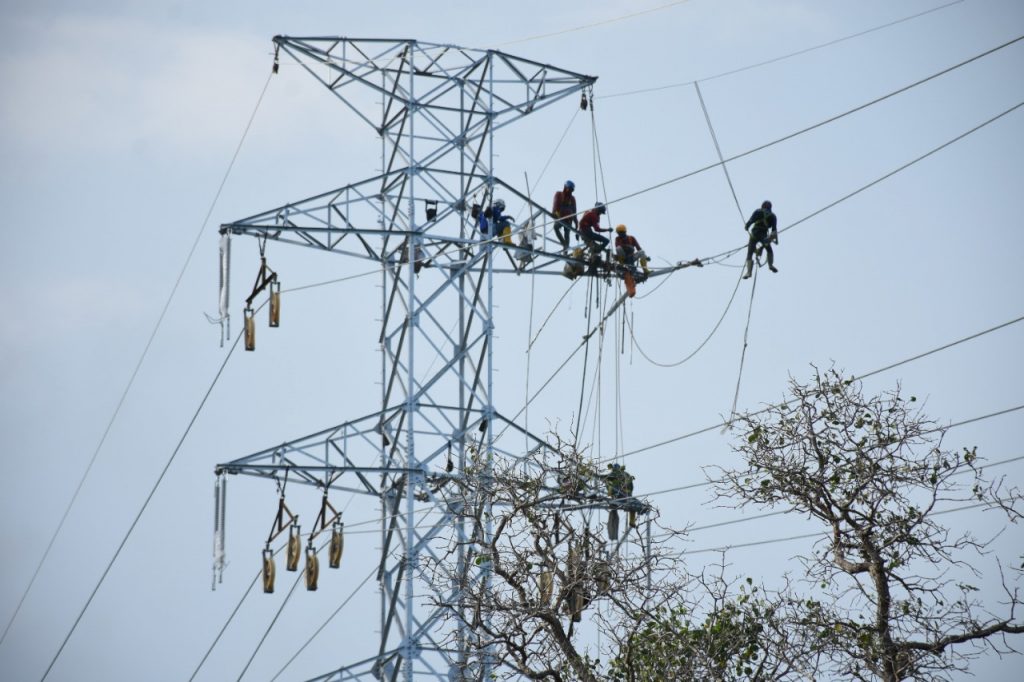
762,234
628,250
564,211
590,227
492,221
619,482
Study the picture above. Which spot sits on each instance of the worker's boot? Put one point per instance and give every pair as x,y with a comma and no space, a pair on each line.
771,263
750,269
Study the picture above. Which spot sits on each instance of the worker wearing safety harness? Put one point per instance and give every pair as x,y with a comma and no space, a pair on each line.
628,250
493,221
763,221
564,211
590,227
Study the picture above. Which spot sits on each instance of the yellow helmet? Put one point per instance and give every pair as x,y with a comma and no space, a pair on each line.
621,229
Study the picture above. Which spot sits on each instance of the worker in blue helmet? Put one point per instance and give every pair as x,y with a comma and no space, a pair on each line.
564,212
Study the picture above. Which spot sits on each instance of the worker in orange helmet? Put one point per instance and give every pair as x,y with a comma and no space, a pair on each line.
628,249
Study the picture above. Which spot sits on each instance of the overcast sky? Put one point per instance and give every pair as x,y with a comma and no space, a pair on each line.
118,122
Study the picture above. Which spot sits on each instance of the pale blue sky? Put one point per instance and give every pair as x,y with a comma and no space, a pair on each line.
118,120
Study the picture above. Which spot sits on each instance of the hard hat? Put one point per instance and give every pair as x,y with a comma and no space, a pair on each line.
570,184
499,204
599,207
767,205
621,229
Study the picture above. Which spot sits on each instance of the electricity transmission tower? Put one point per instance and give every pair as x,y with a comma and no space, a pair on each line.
436,109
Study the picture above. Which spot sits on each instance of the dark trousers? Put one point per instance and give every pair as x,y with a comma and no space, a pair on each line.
563,228
759,237
595,238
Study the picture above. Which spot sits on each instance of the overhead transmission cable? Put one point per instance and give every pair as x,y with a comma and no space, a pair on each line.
163,472
595,24
856,377
794,224
138,364
782,57
845,197
819,124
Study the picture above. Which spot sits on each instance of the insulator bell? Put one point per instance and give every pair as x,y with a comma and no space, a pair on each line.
546,586
294,548
275,304
583,101
312,569
337,544
613,525
250,330
268,571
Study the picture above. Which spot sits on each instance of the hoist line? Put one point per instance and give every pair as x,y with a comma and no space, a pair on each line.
815,126
138,364
583,381
855,377
325,623
718,149
743,355
783,57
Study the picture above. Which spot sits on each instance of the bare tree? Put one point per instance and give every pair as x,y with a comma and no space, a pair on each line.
542,570
893,599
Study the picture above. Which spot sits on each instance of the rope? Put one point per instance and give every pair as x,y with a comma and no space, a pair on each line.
138,366
702,343
718,150
743,355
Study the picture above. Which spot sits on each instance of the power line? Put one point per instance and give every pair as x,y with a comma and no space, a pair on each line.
138,365
324,624
783,57
817,125
592,25
805,536
862,376
145,504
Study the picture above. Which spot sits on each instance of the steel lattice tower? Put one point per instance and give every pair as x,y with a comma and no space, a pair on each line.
441,107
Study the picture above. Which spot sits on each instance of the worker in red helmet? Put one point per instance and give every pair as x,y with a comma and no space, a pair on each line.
590,227
628,250
564,211
763,229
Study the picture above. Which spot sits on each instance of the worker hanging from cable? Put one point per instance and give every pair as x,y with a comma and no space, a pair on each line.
762,234
590,228
628,250
564,212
